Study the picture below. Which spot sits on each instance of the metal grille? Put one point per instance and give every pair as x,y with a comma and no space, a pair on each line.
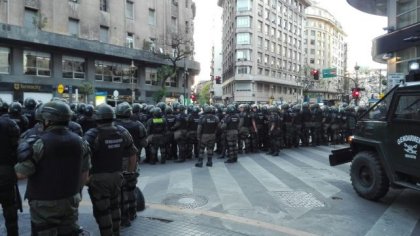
188,201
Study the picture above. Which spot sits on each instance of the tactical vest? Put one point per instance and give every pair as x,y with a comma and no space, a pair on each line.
259,118
30,115
232,122
209,124
247,120
157,126
7,151
193,121
108,151
182,118
133,128
170,120
58,173
317,115
87,123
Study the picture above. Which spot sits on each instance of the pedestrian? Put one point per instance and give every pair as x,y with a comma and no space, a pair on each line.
56,167
9,136
206,135
109,143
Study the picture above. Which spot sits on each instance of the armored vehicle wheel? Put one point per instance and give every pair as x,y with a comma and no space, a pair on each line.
368,177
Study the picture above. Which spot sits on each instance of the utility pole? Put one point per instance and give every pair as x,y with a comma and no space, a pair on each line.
356,83
185,81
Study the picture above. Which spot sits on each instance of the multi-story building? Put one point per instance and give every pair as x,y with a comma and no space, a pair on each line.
325,51
104,45
263,49
399,47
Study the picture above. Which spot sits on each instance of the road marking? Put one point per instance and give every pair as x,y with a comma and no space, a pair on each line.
400,218
180,182
229,191
237,219
268,180
324,188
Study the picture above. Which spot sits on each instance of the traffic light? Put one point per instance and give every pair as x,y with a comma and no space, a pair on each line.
218,80
355,93
193,97
315,74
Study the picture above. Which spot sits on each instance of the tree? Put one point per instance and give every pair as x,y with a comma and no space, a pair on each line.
204,94
182,48
86,89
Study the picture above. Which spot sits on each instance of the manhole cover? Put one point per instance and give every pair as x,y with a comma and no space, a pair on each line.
189,201
298,199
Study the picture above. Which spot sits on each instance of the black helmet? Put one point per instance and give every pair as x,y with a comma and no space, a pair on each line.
149,109
208,109
104,112
136,107
305,105
29,103
56,111
195,110
285,106
89,110
181,108
156,112
38,110
123,110
15,108
4,107
73,107
231,109
161,105
169,110
81,108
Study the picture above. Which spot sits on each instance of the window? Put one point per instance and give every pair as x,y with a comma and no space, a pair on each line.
266,29
130,40
174,22
408,108
243,70
103,34
243,55
243,38
129,9
103,6
260,42
4,60
114,72
243,22
152,17
243,5
171,82
73,27
30,16
187,27
151,79
37,63
73,67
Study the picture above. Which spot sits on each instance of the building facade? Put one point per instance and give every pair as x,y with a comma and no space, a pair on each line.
94,47
263,50
325,51
399,47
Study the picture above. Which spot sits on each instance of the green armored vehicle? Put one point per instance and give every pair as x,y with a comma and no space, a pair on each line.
384,151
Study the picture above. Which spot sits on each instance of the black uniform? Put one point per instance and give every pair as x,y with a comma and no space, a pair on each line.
206,134
192,125
156,129
171,146
9,135
180,135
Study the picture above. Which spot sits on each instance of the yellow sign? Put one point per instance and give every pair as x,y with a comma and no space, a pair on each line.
60,88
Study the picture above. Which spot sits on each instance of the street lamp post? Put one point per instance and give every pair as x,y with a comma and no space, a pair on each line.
132,72
185,81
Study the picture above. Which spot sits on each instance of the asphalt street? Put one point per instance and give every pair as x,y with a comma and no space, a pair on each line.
296,193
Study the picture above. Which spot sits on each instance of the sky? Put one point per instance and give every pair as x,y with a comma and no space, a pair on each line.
361,28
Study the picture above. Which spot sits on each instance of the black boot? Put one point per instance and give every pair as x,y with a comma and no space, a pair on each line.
199,163
230,160
209,162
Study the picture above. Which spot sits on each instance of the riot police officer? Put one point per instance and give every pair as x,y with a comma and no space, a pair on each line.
109,143
274,131
245,131
192,124
206,135
15,113
231,125
57,167
86,119
29,111
171,146
139,134
156,129
9,135
180,132
316,131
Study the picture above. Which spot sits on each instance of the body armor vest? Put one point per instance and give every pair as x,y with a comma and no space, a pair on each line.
133,128
108,150
7,150
232,122
157,126
193,121
209,124
247,120
58,172
170,120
